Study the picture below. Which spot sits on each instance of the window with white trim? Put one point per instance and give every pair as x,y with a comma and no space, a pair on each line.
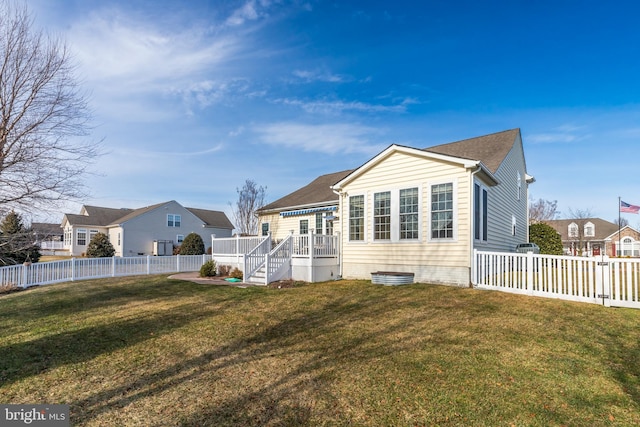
318,222
356,218
304,226
513,225
442,211
589,230
573,230
180,238
174,220
409,213
81,237
92,234
265,228
519,179
382,216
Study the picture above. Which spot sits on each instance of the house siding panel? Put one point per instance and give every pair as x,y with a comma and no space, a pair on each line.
504,203
140,232
429,260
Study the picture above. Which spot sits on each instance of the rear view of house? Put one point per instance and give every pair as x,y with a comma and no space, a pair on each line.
152,230
419,211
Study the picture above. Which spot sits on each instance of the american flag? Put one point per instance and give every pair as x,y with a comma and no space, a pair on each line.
626,207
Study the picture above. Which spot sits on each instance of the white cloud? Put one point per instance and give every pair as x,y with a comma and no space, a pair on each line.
318,75
564,134
327,138
336,107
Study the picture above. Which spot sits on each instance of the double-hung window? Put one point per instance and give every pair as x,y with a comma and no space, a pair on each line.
409,213
174,220
81,237
356,218
304,226
318,222
382,216
442,211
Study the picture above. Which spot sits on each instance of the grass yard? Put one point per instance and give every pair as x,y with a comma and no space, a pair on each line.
151,351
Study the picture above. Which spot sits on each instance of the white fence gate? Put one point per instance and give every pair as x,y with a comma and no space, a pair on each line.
612,282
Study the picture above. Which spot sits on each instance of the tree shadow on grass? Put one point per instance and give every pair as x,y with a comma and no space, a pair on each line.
33,357
309,334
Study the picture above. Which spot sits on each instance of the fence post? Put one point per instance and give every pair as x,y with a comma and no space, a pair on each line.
178,263
530,269
266,268
73,269
113,266
148,264
603,281
24,275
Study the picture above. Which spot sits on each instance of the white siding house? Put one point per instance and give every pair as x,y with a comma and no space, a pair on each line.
420,211
152,230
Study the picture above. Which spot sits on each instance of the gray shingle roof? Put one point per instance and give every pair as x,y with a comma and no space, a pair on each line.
103,217
212,218
489,149
317,191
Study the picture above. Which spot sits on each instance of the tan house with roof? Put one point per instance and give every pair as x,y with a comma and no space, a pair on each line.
152,230
420,211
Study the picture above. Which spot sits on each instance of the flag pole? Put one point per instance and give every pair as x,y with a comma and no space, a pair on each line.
619,225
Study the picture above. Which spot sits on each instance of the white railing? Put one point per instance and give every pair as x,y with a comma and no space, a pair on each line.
255,258
277,259
43,273
600,280
51,245
322,246
235,245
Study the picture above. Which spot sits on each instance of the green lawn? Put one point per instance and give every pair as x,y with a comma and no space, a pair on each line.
151,351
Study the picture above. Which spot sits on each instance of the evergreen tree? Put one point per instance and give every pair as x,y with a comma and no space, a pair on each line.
100,247
192,245
17,244
546,237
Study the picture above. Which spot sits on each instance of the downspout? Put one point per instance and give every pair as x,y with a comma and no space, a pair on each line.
472,228
339,194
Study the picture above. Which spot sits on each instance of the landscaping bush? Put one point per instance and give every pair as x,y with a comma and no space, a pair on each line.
236,273
100,247
546,237
192,245
208,269
224,270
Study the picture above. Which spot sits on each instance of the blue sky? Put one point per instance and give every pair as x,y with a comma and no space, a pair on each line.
193,98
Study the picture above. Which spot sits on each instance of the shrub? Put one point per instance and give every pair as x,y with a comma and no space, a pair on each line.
100,247
224,270
236,273
546,237
192,245
208,269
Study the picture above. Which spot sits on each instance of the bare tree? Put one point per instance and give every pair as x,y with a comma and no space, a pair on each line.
250,198
621,222
542,210
43,117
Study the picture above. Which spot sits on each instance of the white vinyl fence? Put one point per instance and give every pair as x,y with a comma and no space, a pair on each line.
43,273
613,282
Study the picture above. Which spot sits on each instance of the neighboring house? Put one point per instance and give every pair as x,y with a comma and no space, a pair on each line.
420,211
595,236
152,230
